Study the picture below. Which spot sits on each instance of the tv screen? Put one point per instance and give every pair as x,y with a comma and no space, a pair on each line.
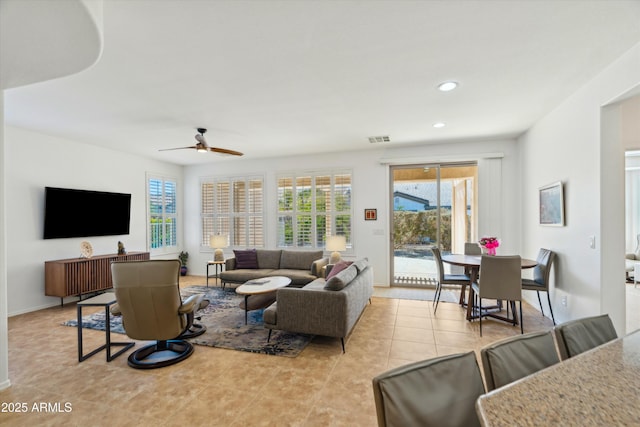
82,213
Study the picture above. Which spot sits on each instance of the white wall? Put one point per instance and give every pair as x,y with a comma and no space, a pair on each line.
567,145
4,326
370,190
35,161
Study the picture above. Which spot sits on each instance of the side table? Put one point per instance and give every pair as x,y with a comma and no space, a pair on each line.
219,265
105,300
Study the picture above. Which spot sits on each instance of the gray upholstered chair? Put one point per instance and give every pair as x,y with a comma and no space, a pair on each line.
472,248
148,298
512,358
438,392
540,281
461,280
500,280
577,336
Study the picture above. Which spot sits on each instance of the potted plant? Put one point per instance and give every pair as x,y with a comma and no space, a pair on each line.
183,257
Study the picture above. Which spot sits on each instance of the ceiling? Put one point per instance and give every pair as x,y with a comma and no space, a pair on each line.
275,78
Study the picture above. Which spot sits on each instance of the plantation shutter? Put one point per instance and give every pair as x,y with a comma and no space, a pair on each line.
162,214
313,206
233,207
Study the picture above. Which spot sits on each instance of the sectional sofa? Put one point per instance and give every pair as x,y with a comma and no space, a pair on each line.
300,266
328,307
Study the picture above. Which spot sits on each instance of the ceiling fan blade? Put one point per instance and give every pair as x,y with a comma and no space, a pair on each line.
225,151
179,148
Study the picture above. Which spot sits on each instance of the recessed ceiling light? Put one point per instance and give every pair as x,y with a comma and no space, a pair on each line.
447,86
438,125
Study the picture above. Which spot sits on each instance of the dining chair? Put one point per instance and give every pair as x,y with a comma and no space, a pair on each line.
461,280
577,336
540,281
500,280
512,358
437,392
472,248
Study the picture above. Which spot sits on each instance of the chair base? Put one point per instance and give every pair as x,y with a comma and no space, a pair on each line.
194,331
160,354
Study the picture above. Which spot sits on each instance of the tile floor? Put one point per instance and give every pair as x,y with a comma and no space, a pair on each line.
321,387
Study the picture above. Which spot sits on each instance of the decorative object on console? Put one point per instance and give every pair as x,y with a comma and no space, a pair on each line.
490,244
86,250
183,257
217,242
121,249
336,244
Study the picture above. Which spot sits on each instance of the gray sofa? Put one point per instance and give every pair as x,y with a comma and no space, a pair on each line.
323,307
300,266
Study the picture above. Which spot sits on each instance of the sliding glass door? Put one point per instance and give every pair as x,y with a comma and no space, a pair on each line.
432,205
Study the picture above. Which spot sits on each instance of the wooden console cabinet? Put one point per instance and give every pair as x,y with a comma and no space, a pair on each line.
77,276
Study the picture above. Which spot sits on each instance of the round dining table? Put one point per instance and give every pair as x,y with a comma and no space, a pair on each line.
472,263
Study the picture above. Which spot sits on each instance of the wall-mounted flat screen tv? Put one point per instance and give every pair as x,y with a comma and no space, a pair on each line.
82,213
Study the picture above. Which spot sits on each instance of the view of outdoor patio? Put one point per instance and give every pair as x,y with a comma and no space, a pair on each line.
432,205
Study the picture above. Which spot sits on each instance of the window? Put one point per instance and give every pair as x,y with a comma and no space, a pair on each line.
162,214
233,207
312,206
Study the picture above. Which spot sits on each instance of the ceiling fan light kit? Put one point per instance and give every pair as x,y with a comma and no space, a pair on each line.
203,147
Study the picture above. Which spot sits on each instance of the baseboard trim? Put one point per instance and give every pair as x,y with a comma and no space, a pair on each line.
5,384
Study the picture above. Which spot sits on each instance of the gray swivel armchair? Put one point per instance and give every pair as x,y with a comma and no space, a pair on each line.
461,280
500,280
516,357
577,336
148,298
438,392
540,281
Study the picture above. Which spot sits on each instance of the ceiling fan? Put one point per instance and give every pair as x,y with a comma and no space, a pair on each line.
203,147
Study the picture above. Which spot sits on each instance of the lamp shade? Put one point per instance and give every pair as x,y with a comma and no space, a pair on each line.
217,242
336,244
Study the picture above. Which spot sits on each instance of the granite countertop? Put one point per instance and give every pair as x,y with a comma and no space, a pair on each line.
600,387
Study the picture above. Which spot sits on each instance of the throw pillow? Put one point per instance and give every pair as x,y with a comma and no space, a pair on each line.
342,279
361,264
337,268
246,259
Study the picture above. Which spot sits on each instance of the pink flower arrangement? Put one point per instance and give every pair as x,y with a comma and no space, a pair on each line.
491,243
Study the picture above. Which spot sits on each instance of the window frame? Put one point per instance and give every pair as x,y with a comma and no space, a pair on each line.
164,248
331,213
232,218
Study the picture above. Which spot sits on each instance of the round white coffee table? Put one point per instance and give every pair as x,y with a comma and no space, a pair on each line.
262,291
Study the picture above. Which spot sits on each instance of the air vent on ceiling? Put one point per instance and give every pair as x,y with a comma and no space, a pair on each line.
376,139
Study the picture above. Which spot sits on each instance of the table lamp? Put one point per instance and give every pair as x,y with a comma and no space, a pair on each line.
218,242
336,244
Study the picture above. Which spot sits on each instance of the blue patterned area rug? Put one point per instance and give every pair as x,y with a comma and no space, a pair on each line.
224,320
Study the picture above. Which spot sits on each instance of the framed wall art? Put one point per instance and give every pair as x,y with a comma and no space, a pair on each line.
551,199
370,214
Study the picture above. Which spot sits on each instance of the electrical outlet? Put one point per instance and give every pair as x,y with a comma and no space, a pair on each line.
563,300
